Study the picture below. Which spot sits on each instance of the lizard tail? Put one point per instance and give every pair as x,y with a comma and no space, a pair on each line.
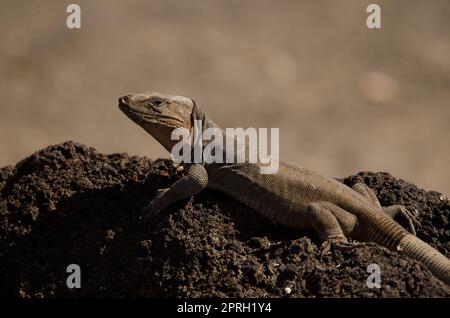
417,249
385,231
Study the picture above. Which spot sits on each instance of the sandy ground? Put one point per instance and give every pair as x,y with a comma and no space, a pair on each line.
344,97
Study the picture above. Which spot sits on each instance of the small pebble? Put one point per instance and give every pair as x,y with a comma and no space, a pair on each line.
110,234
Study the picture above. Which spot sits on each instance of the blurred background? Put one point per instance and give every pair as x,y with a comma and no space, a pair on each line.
345,98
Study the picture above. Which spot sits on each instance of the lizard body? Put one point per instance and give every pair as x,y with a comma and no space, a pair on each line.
293,196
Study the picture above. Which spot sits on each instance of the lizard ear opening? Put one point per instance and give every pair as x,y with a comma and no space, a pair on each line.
196,114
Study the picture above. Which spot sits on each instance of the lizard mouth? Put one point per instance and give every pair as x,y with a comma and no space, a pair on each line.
123,108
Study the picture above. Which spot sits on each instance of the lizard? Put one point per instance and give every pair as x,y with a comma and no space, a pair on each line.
292,196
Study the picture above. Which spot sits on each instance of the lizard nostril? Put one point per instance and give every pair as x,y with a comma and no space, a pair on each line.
124,100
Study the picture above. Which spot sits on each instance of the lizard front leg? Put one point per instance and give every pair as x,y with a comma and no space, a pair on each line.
192,183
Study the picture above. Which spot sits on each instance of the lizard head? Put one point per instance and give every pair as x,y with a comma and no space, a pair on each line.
159,114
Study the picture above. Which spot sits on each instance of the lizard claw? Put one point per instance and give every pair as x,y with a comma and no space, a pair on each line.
155,206
335,242
410,218
345,245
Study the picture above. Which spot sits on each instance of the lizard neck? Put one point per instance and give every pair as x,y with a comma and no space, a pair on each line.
198,114
221,146
206,123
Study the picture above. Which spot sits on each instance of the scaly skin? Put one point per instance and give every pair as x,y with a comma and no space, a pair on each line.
292,196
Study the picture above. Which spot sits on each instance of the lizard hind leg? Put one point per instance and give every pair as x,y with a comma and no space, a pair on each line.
330,222
393,211
367,193
408,217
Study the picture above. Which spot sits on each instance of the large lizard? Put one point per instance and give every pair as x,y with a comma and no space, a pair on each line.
293,196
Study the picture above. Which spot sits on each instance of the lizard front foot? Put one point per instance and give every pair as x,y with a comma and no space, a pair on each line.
155,206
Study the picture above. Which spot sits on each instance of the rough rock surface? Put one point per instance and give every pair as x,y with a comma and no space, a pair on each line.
70,204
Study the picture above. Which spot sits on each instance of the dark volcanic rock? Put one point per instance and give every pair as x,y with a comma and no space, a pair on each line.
70,204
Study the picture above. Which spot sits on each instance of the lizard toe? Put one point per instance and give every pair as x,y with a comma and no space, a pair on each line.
333,241
407,217
343,244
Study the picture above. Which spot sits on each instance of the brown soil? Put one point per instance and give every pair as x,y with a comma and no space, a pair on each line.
70,204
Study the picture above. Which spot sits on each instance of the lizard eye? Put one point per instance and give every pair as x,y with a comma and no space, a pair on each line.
156,102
